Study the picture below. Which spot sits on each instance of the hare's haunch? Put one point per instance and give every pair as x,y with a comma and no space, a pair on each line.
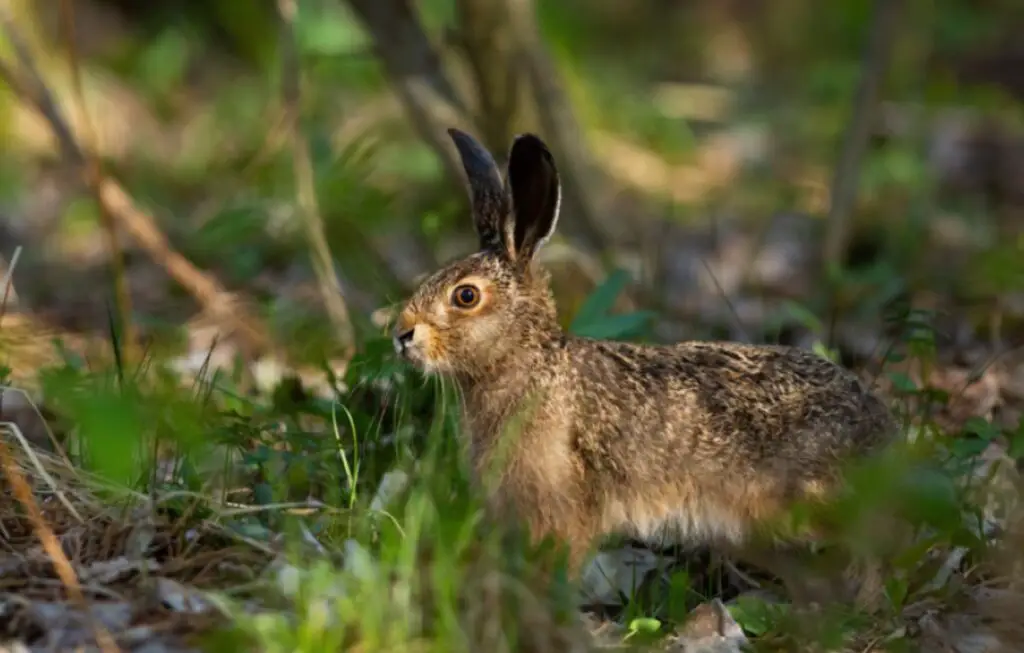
579,437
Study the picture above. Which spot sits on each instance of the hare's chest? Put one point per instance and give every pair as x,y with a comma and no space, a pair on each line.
528,443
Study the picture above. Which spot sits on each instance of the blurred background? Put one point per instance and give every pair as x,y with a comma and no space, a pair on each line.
786,171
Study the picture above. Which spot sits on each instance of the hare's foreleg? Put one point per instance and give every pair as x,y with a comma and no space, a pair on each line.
570,543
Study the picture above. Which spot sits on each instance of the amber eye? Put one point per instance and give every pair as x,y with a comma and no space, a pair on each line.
466,296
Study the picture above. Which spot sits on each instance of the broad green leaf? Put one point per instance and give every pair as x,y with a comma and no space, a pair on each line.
615,327
896,589
601,300
753,615
982,428
902,382
803,315
1016,448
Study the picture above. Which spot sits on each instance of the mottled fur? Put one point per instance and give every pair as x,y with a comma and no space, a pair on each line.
580,438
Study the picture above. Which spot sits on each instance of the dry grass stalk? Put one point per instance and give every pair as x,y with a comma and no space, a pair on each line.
94,174
23,493
323,264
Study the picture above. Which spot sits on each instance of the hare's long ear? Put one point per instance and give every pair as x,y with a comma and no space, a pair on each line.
488,197
536,193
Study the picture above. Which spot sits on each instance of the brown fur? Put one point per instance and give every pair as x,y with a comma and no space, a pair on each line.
579,438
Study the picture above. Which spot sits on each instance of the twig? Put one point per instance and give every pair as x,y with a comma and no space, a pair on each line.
403,46
8,282
33,89
30,452
488,47
323,263
29,86
728,302
93,174
415,70
61,564
843,193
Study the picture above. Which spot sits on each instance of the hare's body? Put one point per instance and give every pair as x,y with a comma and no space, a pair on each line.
578,438
695,442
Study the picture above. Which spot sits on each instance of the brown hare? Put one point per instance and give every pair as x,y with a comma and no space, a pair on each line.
579,438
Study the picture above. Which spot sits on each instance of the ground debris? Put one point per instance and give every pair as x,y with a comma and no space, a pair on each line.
709,629
141,573
45,626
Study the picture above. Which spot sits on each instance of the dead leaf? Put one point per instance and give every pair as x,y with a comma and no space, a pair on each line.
179,598
709,629
115,569
615,574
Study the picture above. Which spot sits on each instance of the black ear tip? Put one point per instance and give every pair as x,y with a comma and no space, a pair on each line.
476,160
529,146
465,141
459,136
529,140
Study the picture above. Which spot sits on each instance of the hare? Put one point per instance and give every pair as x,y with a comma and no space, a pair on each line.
580,438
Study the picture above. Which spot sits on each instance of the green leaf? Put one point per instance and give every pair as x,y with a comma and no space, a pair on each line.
1016,448
895,357
982,428
753,615
896,589
614,327
803,315
969,447
601,300
263,494
328,31
646,625
929,495
902,382
162,64
822,350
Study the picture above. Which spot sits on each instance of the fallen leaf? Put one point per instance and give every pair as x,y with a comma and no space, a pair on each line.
710,628
615,574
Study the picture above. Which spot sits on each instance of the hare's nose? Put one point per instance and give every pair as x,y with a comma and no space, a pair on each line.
403,339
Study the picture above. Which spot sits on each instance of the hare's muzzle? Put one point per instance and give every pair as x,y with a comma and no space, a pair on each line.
403,339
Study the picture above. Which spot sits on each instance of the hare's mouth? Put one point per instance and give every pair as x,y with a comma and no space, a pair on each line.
413,346
414,355
409,350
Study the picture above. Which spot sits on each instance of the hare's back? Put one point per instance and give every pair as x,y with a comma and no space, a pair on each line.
732,405
779,393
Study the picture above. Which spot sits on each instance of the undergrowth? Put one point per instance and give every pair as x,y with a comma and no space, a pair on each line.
362,532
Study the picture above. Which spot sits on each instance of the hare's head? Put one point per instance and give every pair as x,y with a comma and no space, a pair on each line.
472,314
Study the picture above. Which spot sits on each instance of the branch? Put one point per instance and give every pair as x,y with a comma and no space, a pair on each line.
323,263
122,298
415,71
28,84
847,175
403,46
487,45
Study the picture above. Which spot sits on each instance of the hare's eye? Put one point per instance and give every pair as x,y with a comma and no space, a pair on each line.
466,296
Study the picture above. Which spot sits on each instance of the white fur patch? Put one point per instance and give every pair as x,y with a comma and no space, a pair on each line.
690,523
